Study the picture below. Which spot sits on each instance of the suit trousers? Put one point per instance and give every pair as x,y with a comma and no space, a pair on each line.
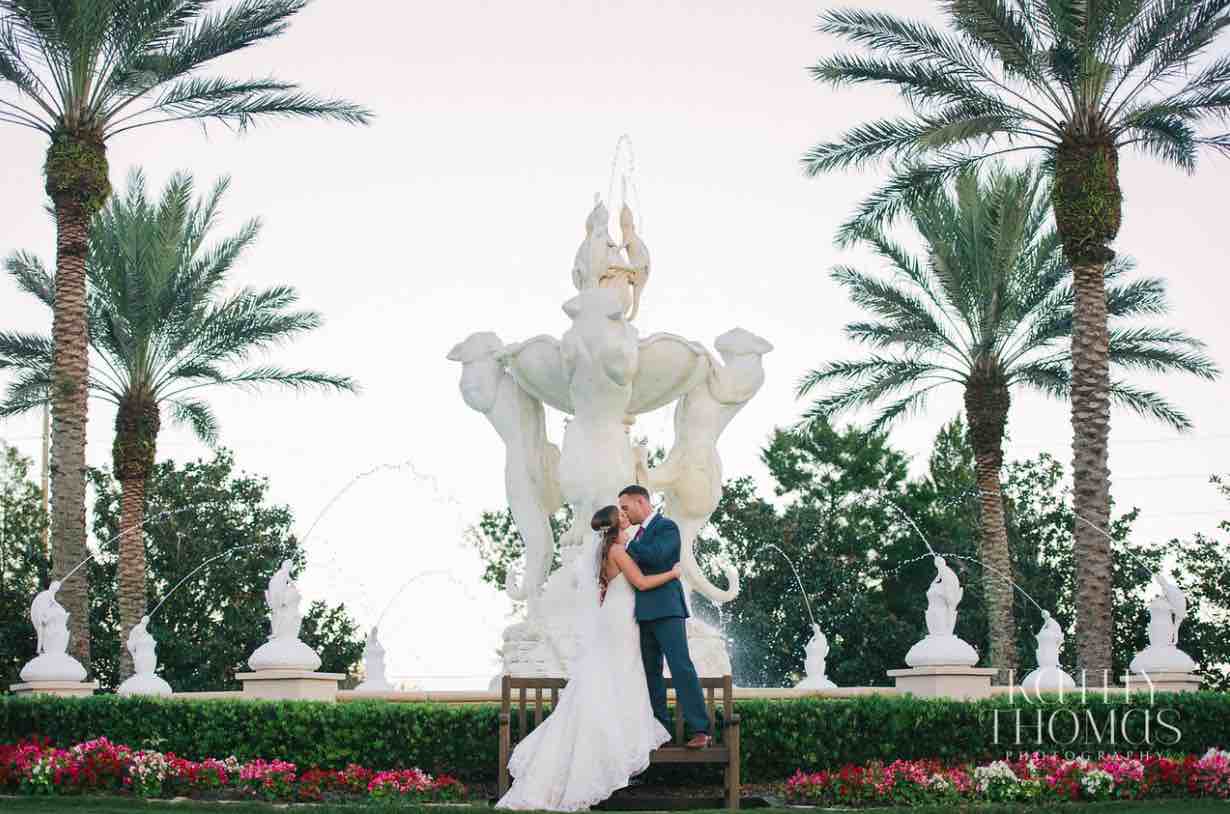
668,638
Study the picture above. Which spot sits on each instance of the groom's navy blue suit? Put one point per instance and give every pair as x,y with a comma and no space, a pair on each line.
661,614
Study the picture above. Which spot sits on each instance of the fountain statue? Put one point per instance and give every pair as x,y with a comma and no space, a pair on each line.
1167,611
602,375
815,654
1049,676
144,650
941,646
52,662
373,665
531,468
283,651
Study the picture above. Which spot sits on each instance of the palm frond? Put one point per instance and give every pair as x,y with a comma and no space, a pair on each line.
31,276
1000,30
293,379
1161,350
26,352
1148,404
906,311
908,39
198,416
1142,297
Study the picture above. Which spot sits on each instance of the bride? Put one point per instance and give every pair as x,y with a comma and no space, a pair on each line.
602,730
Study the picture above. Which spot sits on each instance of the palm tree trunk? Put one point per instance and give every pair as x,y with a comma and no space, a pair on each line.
1088,205
1091,471
76,182
136,436
68,421
131,577
986,407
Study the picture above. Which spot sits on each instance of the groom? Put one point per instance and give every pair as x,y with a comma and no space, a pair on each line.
661,613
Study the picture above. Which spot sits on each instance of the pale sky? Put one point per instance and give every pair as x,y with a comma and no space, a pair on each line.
460,210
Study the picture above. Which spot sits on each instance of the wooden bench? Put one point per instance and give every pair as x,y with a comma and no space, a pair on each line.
725,731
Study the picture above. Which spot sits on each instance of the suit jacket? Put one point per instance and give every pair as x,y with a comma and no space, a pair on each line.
656,553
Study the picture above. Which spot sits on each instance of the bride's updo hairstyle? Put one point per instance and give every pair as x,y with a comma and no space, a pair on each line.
605,520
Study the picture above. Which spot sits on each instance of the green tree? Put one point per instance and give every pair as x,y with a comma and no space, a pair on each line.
1203,571
24,563
208,627
500,546
81,72
829,518
1078,81
163,327
988,309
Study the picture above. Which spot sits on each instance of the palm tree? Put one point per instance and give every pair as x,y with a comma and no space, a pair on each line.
988,309
81,72
161,329
1078,81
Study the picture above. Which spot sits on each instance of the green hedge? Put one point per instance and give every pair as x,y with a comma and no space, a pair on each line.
778,736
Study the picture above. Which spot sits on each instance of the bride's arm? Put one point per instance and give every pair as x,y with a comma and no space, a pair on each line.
634,574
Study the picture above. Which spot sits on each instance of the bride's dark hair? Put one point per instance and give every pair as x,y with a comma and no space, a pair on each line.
605,520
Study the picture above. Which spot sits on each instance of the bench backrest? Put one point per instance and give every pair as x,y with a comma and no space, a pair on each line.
541,693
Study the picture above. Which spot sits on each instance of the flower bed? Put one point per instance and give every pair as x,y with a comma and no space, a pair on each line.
1030,778
99,766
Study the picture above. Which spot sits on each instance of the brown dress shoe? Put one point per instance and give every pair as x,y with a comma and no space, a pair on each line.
698,742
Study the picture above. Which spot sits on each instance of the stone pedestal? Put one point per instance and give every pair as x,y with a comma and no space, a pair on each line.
67,689
290,685
1162,682
945,681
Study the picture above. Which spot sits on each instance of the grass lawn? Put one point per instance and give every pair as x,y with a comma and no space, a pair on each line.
125,805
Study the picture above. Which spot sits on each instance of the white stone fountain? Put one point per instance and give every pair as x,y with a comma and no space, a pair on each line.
376,679
284,667
1049,676
815,654
144,650
1162,666
602,375
942,663
52,671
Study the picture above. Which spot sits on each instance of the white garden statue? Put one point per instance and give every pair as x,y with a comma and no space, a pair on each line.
144,651
531,463
284,651
1049,676
1167,611
941,646
601,375
691,475
814,656
52,662
373,666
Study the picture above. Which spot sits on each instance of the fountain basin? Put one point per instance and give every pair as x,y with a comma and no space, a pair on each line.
145,684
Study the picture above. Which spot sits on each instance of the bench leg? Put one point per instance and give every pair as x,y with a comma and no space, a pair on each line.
733,783
505,744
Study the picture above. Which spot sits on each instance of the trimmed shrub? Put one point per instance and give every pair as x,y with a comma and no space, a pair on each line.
778,736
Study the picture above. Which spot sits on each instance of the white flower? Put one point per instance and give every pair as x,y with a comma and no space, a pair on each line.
939,783
1096,781
999,771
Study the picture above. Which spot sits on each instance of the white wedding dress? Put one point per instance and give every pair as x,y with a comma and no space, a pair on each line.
601,733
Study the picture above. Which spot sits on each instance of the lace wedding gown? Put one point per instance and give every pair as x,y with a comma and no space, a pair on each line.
601,733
